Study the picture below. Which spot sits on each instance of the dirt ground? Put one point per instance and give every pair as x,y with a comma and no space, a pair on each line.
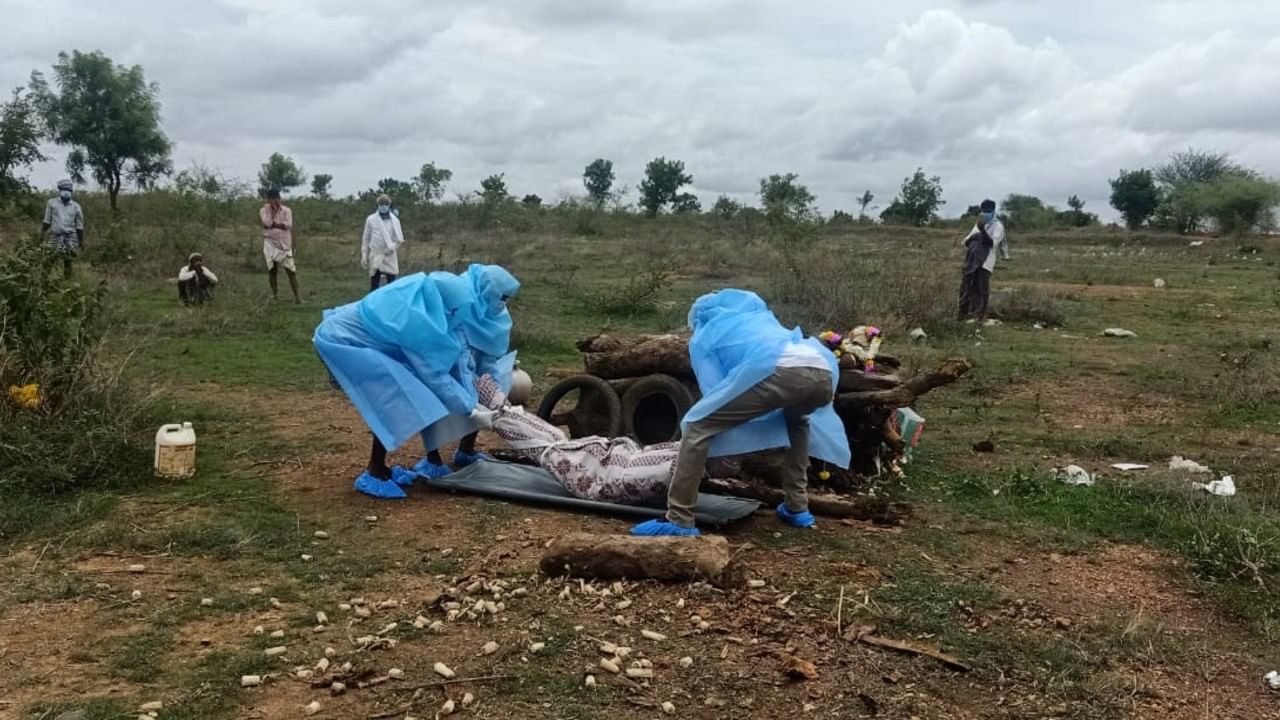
434,549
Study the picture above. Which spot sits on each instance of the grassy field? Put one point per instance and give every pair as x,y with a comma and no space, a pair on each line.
1137,597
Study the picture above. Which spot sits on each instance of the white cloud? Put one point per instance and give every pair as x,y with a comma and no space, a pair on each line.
995,96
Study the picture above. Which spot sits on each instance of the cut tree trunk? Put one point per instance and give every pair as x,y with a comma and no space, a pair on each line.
670,559
654,354
951,370
858,507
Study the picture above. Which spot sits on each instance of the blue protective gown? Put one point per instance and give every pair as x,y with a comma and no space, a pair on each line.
400,356
486,322
736,344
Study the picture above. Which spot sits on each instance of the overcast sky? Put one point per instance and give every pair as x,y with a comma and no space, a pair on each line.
1046,97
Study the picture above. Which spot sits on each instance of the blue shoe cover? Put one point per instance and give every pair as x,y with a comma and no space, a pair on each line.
662,528
402,477
379,488
803,520
462,459
427,469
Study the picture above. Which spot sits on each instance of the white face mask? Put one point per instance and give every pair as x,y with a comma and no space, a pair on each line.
64,194
384,209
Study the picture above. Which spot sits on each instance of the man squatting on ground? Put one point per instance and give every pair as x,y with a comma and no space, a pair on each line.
763,387
195,281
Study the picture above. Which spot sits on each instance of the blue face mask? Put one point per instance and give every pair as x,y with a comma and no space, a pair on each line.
988,216
384,209
64,194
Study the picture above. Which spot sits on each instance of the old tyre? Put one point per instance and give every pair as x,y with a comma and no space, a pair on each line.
597,410
653,407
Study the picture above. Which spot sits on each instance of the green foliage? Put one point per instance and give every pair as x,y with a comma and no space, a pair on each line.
320,183
80,434
598,179
686,204
1240,204
864,202
430,182
281,173
784,199
47,327
20,135
1183,179
1027,212
531,201
1135,196
661,185
110,116
726,207
840,217
493,190
1028,304
399,191
1076,216
917,203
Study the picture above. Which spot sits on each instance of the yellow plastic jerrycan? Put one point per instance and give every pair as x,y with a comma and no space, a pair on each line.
176,451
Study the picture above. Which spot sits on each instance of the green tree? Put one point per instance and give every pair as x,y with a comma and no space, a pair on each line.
918,201
1076,216
1240,204
430,182
1182,180
1027,212
726,207
663,179
400,191
20,134
784,198
1135,196
493,189
110,117
281,173
531,201
597,178
686,204
864,201
320,183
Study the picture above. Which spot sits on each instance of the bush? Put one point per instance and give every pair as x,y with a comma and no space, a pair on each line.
81,428
821,286
1025,304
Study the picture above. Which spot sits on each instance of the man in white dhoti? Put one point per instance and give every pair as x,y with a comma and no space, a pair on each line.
277,242
380,243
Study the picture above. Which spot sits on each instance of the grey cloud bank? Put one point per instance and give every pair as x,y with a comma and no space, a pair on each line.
994,96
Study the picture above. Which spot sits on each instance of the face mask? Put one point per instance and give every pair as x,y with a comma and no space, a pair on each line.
384,209
988,216
65,194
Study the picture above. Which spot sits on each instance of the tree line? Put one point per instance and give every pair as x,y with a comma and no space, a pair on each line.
109,117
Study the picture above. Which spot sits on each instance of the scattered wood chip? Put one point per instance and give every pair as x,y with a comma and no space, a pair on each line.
137,568
639,673
489,648
911,648
537,647
275,651
321,535
443,671
686,662
468,699
756,583
590,681
610,666
654,636
276,634
668,708
313,707
153,706
206,602
893,678
395,674
322,618
797,668
447,708
250,680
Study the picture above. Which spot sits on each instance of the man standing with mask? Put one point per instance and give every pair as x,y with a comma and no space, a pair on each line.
982,244
64,224
277,242
378,248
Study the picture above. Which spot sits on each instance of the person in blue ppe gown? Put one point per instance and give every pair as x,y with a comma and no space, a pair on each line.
400,356
763,387
484,328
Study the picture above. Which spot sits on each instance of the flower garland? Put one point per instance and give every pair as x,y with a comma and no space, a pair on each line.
862,342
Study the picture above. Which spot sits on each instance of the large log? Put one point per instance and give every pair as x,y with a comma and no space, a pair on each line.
951,370
667,354
670,559
858,507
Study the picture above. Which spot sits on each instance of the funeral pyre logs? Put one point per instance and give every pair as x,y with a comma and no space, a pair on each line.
641,386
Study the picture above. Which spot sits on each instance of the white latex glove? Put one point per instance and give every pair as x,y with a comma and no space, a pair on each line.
483,417
364,261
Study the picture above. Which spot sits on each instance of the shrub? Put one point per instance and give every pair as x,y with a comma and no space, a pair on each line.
1025,304
81,429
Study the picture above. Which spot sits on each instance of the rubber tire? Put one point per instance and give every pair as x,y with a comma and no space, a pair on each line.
586,384
671,397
